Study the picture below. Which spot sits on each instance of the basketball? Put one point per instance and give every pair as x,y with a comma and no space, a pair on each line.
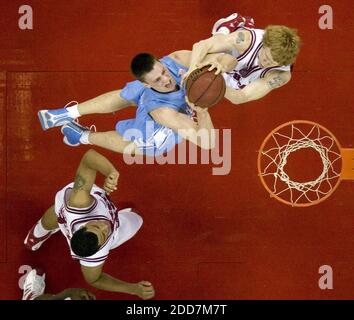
204,88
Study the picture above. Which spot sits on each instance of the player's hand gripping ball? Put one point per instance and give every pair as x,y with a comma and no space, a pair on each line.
204,88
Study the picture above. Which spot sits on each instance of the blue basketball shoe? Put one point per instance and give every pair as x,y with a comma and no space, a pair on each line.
55,117
75,134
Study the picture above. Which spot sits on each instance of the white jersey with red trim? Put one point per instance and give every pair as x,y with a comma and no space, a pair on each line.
71,219
248,69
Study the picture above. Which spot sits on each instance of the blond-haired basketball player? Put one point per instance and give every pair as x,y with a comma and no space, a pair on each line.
264,57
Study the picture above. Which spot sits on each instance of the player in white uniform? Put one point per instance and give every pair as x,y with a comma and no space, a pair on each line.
91,224
264,56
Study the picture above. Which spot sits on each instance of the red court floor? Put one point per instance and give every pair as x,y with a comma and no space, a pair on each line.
204,236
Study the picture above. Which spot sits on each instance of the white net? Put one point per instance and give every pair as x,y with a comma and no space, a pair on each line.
293,138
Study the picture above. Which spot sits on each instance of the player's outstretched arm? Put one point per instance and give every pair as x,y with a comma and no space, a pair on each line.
220,62
218,44
91,162
72,293
259,88
96,278
223,62
200,133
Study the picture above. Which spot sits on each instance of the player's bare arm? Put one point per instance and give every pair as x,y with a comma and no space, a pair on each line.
277,79
226,61
258,88
96,278
220,62
200,133
90,163
238,40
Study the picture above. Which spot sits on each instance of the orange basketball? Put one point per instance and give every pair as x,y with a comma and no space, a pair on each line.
204,88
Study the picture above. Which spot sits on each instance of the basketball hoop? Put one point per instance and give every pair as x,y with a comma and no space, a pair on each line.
297,136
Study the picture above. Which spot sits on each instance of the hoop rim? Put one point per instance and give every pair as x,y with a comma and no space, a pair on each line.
272,194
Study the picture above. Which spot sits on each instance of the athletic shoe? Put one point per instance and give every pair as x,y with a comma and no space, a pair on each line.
33,243
55,117
231,24
34,285
73,132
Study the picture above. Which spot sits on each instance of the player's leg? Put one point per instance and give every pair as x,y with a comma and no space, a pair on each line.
42,230
75,134
49,220
105,103
113,141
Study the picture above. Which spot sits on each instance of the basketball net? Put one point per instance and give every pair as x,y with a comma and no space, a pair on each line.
292,137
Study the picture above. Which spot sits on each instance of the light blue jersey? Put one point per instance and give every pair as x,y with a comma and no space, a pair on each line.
149,136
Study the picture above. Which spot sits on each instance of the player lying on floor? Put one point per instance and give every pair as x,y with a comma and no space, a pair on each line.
264,57
34,288
163,117
91,224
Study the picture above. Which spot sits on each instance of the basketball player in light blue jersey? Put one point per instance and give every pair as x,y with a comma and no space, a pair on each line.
150,136
163,117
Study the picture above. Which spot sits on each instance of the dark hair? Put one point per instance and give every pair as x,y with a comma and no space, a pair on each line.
142,64
84,243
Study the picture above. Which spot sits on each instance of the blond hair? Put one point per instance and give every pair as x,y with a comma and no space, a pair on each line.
284,43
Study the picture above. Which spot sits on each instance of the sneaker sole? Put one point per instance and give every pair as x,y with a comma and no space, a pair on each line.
65,140
42,120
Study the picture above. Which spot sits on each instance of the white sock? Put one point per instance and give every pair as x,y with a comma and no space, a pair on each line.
85,137
39,230
73,111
